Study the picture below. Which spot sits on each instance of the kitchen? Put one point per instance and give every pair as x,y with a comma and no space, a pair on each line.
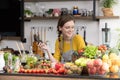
93,28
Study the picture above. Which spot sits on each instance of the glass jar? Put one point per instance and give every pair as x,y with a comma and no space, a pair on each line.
75,10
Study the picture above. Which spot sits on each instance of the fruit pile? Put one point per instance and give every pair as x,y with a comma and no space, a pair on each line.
113,60
82,61
102,48
90,51
98,60
97,66
71,68
58,69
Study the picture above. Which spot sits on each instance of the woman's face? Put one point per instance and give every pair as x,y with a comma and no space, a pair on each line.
67,29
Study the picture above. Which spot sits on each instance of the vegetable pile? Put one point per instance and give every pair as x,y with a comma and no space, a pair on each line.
90,51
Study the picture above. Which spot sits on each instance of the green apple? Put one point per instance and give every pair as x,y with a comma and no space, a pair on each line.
77,62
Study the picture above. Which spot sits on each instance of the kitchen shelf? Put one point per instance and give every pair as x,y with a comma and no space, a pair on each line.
82,18
107,17
53,0
44,18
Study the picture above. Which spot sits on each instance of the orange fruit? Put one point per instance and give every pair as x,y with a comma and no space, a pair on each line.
114,68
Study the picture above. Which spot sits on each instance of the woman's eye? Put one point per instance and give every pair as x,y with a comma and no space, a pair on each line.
72,27
69,27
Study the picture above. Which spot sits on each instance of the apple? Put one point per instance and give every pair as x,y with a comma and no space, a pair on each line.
105,57
101,72
97,62
90,64
92,71
105,67
98,68
78,61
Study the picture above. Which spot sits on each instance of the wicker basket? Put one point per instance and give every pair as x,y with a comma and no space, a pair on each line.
107,11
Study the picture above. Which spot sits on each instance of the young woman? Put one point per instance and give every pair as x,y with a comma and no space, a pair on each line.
67,41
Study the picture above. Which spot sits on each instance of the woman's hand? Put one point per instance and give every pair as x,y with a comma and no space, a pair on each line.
43,46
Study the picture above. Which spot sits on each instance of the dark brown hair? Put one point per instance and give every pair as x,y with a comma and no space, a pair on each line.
62,20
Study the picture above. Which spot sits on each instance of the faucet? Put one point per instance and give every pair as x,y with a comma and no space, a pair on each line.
84,33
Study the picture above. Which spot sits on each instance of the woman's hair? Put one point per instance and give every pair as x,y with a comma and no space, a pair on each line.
62,20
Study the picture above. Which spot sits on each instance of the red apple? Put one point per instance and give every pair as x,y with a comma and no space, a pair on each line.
105,67
101,72
98,68
92,71
97,62
90,64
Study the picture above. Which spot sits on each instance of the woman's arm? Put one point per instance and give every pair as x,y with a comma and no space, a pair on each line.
44,47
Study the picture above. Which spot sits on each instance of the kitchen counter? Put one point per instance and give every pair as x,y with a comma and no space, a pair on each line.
28,76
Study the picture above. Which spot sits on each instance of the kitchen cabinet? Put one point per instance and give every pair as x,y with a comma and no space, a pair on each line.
93,17
12,20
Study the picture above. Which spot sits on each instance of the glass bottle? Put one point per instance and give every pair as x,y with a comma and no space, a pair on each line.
10,61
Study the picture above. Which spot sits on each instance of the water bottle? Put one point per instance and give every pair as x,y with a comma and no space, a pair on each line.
17,64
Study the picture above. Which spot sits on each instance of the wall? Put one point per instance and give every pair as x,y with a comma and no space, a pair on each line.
93,34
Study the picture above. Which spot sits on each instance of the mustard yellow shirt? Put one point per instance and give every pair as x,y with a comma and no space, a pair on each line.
77,43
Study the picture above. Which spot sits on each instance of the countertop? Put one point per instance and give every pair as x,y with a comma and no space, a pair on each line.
35,76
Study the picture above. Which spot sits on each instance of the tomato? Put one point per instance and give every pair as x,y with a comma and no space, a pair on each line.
34,70
55,71
51,70
61,70
80,51
47,71
99,48
25,71
19,71
37,71
42,71
29,70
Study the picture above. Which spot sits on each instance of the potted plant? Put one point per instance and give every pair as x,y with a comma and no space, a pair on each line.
28,13
107,7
